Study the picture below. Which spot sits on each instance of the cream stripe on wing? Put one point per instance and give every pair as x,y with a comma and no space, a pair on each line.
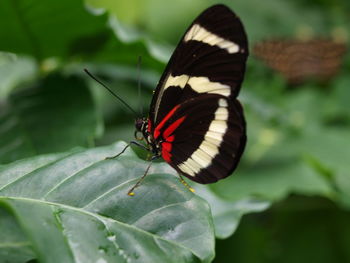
184,168
193,165
209,148
180,81
199,33
221,114
201,157
218,126
198,84
203,84
212,139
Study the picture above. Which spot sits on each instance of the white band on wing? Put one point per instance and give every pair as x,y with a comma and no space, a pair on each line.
199,33
198,84
209,148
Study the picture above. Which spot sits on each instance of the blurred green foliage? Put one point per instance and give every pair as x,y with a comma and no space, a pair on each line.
298,137
299,229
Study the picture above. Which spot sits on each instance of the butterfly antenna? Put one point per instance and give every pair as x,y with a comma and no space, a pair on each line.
115,95
139,83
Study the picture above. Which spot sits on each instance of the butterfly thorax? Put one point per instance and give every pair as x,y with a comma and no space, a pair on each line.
142,126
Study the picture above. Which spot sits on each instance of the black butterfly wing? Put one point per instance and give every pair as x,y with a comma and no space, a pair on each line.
194,115
204,138
210,58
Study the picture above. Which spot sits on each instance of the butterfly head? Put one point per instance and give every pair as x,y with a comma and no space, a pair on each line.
141,128
143,132
140,123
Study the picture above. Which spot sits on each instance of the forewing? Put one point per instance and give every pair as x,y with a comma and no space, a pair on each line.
209,59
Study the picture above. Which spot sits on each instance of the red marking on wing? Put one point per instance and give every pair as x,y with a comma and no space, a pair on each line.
161,124
167,134
169,138
166,155
166,148
172,127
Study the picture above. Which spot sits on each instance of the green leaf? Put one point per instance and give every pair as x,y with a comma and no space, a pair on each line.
14,70
331,149
39,28
56,114
79,34
14,245
76,209
11,172
307,229
228,214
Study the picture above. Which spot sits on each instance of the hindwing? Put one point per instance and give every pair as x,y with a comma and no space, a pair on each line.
203,138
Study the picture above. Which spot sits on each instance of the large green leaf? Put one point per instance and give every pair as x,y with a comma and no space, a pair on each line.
56,114
75,208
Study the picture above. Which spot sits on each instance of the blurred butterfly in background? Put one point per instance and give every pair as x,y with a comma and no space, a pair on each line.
298,61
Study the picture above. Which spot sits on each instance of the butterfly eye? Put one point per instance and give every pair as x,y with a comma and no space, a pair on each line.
138,135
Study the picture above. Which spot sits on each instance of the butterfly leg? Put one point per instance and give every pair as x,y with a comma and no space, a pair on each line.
131,191
185,184
126,147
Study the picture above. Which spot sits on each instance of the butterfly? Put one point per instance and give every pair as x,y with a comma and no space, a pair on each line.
298,61
195,122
